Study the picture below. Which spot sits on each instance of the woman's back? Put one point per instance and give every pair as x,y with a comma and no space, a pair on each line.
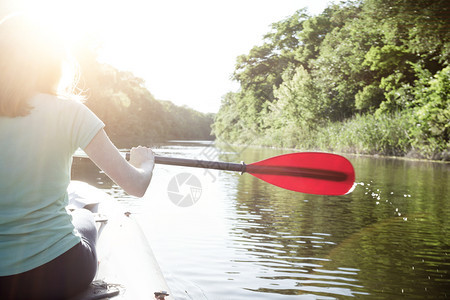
34,174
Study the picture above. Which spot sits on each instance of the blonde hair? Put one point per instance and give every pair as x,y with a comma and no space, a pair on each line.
31,61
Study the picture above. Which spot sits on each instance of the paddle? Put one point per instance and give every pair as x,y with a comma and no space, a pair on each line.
307,172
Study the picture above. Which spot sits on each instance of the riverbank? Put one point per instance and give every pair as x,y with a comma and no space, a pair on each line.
409,157
386,136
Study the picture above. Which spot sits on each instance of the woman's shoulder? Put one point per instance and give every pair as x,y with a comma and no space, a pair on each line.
65,110
57,102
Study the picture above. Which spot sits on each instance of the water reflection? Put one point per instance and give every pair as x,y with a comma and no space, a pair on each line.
389,238
285,236
251,240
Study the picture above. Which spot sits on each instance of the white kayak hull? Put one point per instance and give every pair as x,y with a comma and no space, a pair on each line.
127,266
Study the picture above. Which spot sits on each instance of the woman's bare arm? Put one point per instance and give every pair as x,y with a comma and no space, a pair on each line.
134,176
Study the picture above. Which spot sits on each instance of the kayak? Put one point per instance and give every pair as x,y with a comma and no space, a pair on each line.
127,267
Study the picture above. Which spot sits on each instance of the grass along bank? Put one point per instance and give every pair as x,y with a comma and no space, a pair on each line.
386,135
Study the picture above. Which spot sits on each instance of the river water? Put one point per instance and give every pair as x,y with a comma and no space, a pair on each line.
223,235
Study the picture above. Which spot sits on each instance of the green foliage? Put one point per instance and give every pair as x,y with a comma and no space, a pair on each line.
397,93
367,134
385,59
312,35
387,134
283,36
186,123
299,101
369,98
234,123
430,111
260,71
422,26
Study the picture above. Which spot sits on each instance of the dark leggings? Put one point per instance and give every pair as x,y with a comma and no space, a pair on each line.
63,277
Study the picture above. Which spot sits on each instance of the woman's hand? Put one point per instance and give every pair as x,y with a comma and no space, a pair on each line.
142,158
133,176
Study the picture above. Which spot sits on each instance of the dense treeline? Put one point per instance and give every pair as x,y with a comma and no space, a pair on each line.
367,76
131,114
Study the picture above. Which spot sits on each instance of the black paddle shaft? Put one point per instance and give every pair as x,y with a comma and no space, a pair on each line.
204,164
196,163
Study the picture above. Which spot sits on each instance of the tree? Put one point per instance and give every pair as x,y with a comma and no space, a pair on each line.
299,100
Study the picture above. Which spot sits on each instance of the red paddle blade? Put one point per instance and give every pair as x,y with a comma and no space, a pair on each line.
307,172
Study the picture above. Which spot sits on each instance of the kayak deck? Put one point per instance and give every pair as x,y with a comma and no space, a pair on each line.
127,266
98,290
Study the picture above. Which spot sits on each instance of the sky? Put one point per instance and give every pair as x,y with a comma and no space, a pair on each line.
184,50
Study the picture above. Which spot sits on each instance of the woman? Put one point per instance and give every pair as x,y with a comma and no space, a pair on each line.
44,252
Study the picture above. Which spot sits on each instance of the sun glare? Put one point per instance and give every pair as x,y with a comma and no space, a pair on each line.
190,45
73,22
70,19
